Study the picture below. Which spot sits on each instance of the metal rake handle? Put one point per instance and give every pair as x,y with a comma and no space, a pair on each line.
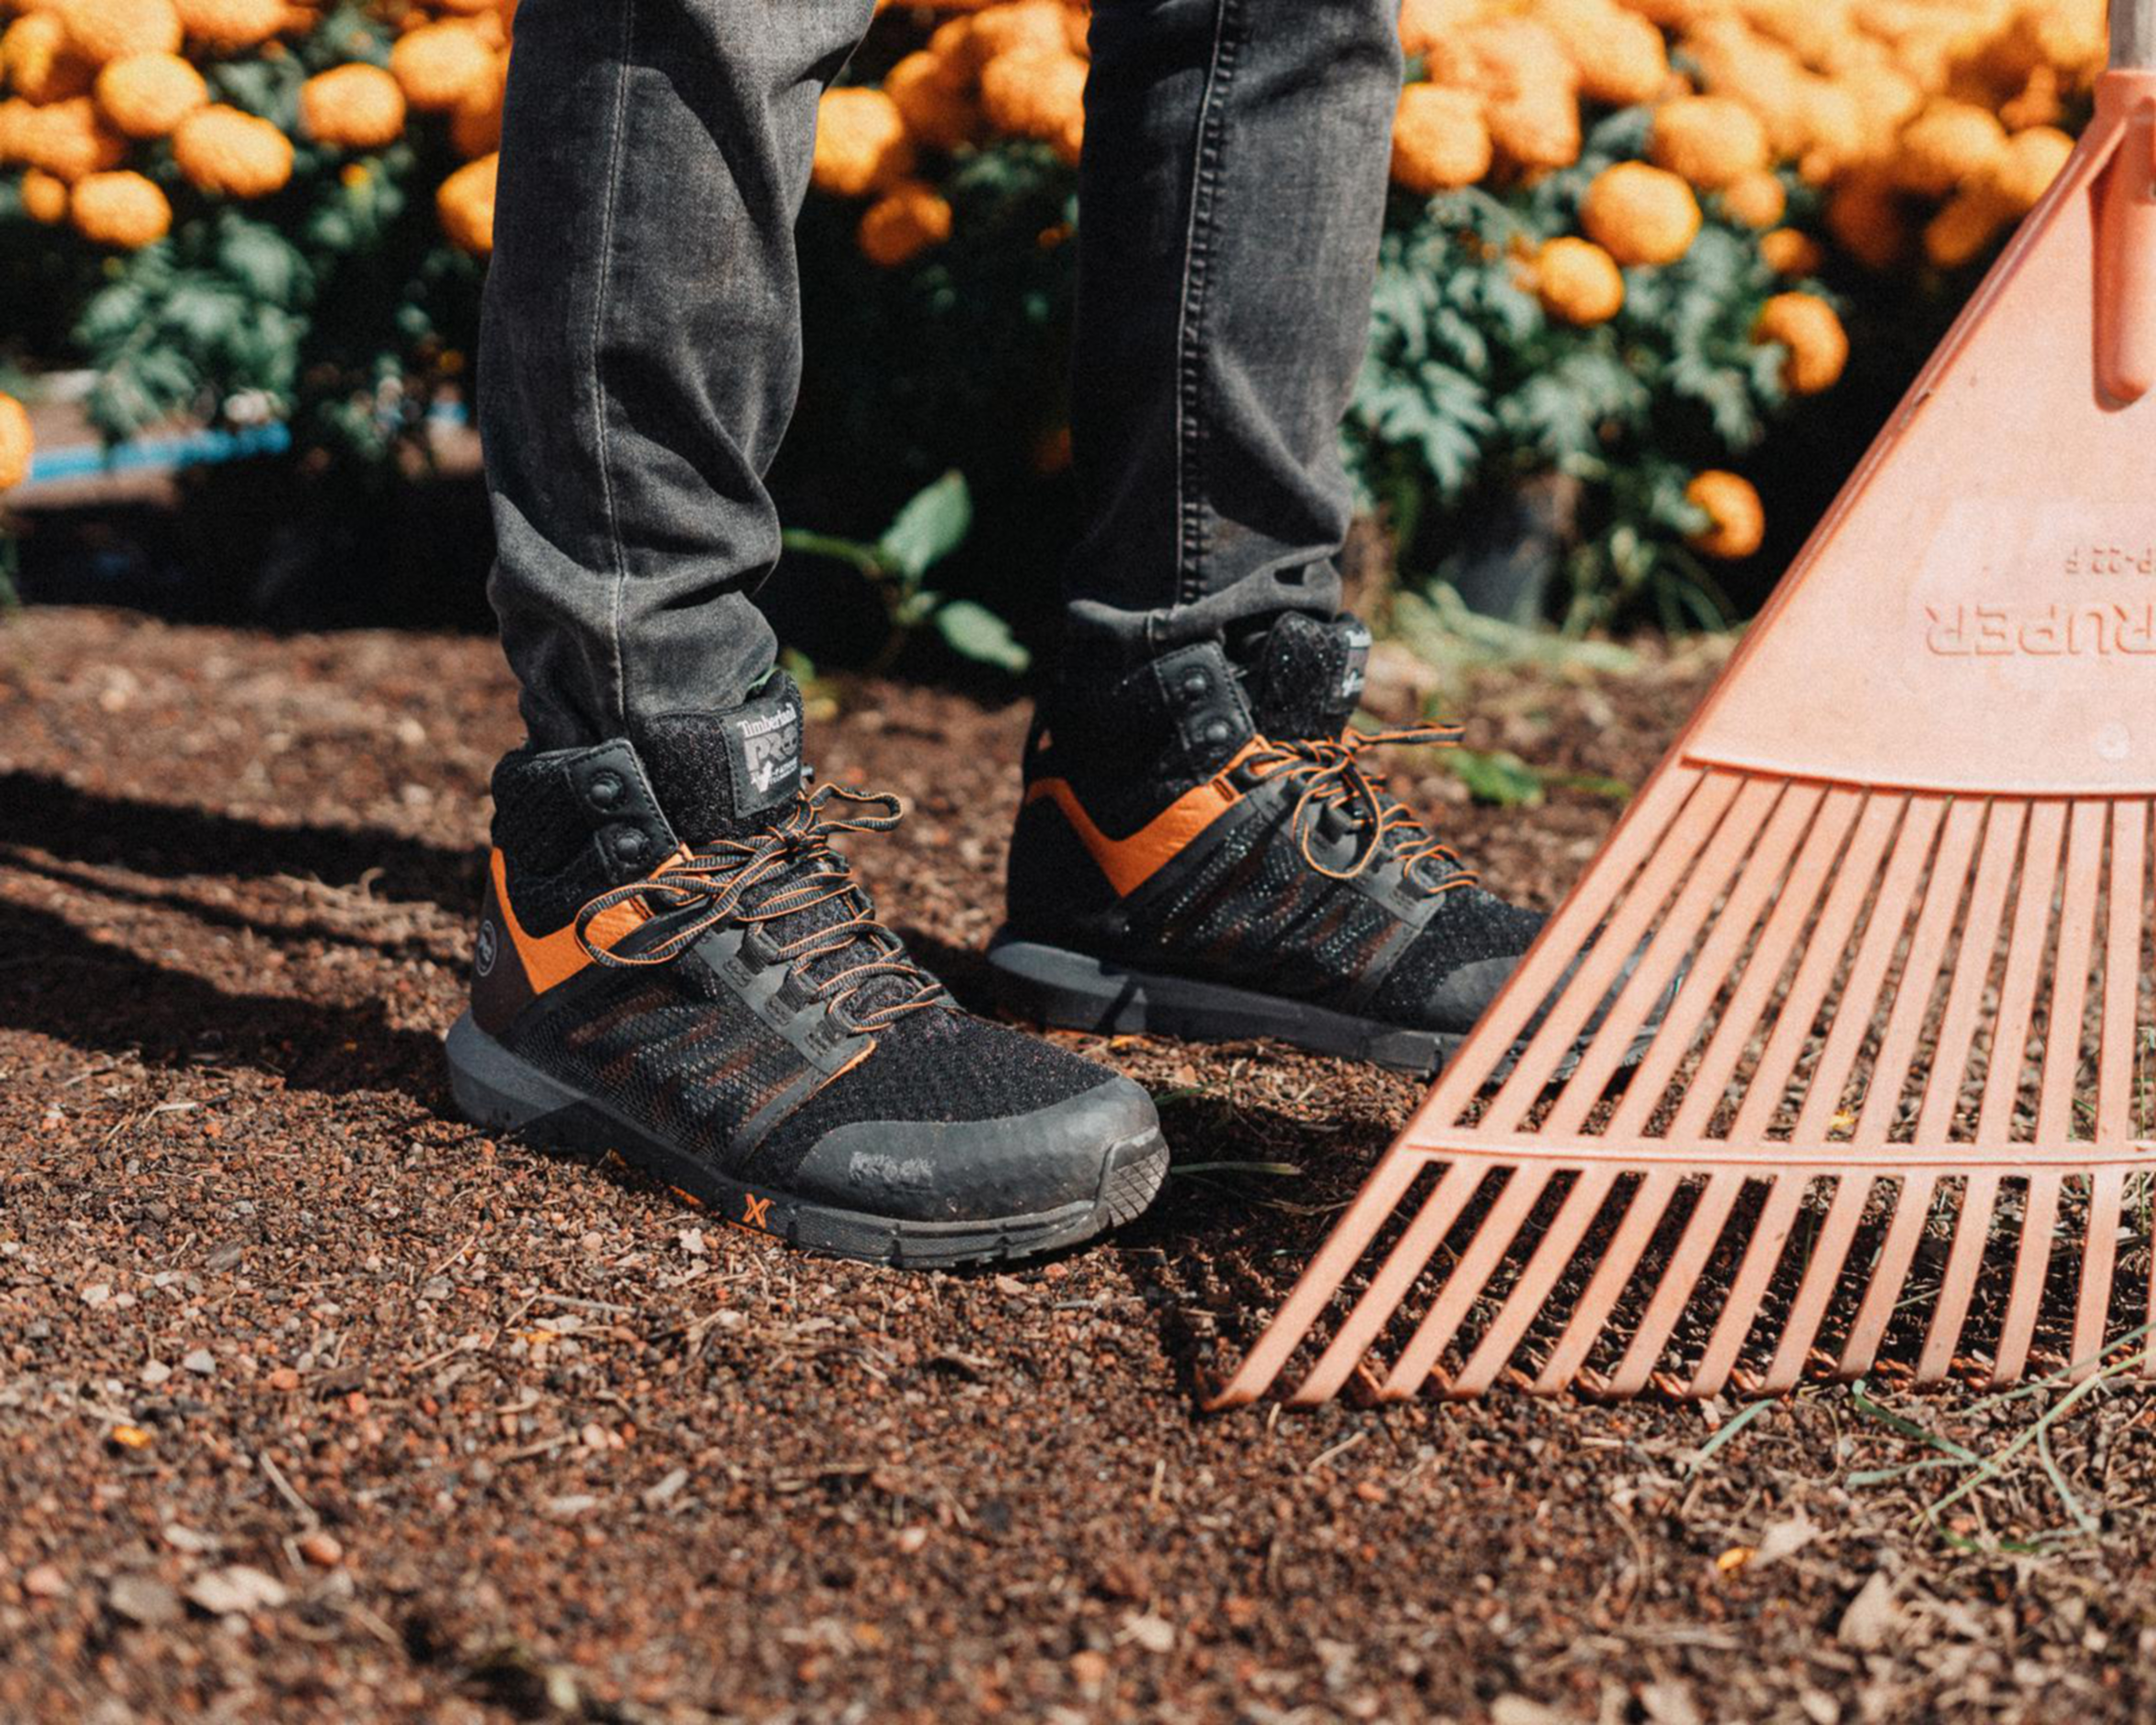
2133,35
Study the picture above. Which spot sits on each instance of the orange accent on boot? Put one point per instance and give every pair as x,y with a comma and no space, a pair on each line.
552,959
1130,863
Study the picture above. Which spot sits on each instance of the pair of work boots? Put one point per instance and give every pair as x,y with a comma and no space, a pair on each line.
674,963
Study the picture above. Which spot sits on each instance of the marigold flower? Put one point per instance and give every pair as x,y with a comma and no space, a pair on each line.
1965,226
44,198
904,223
1538,130
1757,200
230,24
101,31
16,443
1619,56
1737,521
352,107
1034,94
1809,328
1641,214
1710,141
1789,251
465,205
1949,143
475,128
2032,161
1440,141
221,150
39,64
1425,23
861,144
933,97
145,95
1035,25
123,210
1577,282
1866,221
67,139
440,64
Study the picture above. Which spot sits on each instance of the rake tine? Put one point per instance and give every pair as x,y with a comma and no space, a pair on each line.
2062,1056
1725,943
1641,1218
1470,1277
1614,948
2114,1088
1552,1254
1390,1285
1883,1291
1702,1232
1314,1289
1747,1290
1807,1310
2002,1083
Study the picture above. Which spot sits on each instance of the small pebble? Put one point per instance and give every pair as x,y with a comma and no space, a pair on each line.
202,1362
320,1548
43,1582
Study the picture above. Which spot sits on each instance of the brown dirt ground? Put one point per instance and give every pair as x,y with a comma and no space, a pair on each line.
316,1405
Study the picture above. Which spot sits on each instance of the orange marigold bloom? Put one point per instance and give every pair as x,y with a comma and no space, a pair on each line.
1866,221
230,24
475,128
1033,94
145,95
1440,141
1819,346
68,139
1965,226
1619,56
933,96
352,107
39,64
1789,252
903,223
223,150
16,443
1538,129
1737,523
465,205
124,209
1949,143
1710,141
2032,159
1425,23
101,31
861,145
1577,282
44,198
1035,25
440,64
1758,200
1641,214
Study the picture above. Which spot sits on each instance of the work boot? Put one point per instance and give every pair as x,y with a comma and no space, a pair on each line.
1204,850
674,964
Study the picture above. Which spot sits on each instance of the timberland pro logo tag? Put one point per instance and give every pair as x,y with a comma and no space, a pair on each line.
767,757
488,949
1354,666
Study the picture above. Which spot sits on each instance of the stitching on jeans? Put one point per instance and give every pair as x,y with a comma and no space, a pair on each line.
616,145
1191,540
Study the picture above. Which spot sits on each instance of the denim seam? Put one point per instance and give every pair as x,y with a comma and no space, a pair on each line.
1192,533
601,437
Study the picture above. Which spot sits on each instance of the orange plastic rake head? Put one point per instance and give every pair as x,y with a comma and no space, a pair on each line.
1902,861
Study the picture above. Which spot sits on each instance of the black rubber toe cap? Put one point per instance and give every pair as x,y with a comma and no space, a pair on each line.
979,1170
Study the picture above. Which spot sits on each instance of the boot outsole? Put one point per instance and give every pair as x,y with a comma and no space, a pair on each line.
497,1091
1042,984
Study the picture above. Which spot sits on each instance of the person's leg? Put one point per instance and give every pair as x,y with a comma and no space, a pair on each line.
642,344
1233,194
1201,850
673,963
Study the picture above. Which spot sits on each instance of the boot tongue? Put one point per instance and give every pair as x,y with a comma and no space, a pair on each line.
726,774
1305,676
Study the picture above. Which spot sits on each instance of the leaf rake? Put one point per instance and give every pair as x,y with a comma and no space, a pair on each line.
1898,870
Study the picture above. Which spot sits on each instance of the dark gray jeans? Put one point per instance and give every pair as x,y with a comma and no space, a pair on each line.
643,346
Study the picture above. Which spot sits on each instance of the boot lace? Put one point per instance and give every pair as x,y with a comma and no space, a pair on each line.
1334,775
787,870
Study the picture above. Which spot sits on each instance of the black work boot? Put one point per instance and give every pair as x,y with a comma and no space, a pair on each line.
672,963
1202,852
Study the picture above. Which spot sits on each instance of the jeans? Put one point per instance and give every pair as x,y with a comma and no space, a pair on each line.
642,343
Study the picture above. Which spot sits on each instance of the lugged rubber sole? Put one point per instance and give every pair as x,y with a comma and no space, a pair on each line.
496,1090
1050,985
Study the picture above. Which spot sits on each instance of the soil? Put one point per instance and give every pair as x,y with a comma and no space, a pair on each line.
318,1406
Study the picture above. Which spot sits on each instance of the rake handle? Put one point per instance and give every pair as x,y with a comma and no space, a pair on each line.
2133,35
